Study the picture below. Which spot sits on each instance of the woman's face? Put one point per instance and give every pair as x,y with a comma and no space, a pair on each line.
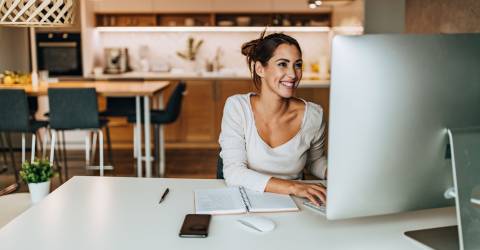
283,71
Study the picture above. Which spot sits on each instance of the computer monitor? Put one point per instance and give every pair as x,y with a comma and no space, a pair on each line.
392,99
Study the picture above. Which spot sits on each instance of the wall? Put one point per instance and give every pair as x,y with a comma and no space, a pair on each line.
14,49
442,16
163,46
384,16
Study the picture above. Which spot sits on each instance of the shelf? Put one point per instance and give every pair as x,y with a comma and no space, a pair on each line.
320,19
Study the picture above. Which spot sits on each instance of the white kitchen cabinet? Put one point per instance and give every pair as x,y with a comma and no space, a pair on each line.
242,6
182,6
123,6
296,6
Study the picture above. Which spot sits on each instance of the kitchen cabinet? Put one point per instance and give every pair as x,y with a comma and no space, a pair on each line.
123,6
198,112
244,5
185,6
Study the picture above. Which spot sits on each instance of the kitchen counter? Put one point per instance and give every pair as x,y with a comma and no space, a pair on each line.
308,80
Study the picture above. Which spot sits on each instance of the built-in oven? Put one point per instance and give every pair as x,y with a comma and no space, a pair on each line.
59,53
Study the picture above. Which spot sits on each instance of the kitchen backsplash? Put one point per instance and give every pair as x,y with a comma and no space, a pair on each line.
160,48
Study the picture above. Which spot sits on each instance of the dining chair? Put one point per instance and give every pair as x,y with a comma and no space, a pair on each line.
162,117
77,109
15,118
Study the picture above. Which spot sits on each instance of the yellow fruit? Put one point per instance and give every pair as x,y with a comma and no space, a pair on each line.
8,80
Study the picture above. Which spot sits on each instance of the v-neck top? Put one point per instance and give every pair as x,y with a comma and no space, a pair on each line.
250,162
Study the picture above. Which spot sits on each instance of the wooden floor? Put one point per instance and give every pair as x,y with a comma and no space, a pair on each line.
180,163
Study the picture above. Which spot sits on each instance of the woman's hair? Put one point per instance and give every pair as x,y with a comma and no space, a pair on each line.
262,49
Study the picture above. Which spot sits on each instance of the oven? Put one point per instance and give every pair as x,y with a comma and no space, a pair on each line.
59,53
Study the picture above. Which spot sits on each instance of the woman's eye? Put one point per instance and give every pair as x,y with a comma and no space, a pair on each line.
298,65
282,64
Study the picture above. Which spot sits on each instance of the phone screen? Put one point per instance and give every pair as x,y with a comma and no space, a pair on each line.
195,226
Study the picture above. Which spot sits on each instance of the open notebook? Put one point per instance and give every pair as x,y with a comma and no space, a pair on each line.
233,200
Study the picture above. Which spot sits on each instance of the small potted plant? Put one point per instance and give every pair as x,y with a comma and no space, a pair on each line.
37,175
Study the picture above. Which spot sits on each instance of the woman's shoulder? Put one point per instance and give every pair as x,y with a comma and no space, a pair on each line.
314,116
238,100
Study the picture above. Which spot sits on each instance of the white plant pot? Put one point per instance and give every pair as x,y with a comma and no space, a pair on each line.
38,191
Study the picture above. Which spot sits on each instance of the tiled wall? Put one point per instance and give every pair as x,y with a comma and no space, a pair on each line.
162,46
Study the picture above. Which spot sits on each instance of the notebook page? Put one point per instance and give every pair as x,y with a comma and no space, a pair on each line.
219,201
270,202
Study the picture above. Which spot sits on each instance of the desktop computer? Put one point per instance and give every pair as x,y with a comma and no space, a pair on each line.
392,99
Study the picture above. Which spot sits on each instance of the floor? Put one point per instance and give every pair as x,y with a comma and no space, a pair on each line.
180,163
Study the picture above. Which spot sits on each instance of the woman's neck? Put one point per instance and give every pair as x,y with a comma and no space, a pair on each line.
271,105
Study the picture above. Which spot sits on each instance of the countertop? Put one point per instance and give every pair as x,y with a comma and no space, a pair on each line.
309,80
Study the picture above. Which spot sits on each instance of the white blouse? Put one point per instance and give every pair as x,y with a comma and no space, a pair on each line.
250,162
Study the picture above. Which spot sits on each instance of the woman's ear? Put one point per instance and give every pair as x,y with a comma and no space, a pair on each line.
259,69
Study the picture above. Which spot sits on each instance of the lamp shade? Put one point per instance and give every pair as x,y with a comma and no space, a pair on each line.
37,13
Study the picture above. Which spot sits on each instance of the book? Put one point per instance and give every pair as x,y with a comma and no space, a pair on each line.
236,200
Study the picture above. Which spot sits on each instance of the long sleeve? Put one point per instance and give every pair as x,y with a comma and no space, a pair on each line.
317,161
233,149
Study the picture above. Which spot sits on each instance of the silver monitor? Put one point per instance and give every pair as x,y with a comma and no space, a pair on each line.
392,98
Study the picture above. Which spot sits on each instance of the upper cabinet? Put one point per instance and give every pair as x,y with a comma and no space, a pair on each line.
184,6
124,6
295,6
242,5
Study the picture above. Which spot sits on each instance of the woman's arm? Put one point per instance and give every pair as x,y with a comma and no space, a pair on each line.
315,193
233,145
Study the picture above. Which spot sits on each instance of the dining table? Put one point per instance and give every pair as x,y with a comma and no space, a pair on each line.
133,88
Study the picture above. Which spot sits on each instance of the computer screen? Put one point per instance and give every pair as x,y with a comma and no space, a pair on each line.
392,98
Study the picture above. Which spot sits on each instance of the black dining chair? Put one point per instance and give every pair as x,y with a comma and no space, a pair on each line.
77,109
220,167
15,117
162,117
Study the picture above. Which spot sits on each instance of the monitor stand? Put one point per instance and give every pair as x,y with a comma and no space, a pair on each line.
442,238
464,148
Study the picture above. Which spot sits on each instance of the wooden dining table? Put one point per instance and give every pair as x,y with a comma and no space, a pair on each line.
137,89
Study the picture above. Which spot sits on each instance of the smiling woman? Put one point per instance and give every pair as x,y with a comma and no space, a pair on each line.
268,138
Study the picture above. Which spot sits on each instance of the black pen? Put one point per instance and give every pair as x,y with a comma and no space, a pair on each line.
164,195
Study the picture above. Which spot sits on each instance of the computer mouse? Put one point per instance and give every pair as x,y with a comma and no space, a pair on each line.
257,223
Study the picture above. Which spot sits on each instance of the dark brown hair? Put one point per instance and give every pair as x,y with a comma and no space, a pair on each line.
262,49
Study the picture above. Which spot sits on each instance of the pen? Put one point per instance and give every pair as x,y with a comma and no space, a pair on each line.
164,195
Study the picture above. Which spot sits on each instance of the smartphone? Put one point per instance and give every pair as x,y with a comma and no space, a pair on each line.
195,226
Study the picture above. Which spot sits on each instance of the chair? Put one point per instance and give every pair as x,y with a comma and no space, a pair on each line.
15,117
161,117
77,109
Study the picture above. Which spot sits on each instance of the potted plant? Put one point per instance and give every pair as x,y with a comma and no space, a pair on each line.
37,175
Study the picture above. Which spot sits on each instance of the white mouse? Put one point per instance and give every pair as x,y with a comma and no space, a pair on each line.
257,223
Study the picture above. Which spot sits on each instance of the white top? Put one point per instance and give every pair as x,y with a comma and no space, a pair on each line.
250,162
119,213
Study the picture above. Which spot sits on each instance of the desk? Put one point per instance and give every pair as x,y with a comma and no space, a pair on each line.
123,213
146,89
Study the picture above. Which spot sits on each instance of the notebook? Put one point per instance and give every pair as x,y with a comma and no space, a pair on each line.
236,200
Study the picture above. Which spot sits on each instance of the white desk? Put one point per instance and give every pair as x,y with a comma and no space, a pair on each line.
123,213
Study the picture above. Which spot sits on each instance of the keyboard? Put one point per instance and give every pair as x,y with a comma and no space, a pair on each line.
322,209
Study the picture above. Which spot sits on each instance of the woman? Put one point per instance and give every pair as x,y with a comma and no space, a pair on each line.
267,139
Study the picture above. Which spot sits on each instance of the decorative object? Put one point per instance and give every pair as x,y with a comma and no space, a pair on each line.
37,175
192,49
37,13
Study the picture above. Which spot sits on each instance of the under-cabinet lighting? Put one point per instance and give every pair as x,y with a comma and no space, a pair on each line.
212,29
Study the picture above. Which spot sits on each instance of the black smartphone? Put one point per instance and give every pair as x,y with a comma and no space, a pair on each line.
195,226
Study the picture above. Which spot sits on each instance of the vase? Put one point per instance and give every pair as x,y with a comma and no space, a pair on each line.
38,191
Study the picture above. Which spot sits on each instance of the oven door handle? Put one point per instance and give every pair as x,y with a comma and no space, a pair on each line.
58,44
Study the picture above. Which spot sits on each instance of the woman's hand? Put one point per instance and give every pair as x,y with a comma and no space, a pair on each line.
316,193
